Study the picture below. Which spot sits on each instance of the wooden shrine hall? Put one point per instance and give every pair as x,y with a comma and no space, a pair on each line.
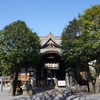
51,69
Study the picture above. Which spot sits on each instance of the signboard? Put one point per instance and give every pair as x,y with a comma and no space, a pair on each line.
61,83
52,65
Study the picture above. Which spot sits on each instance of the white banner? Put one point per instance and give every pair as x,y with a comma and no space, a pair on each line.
52,65
61,83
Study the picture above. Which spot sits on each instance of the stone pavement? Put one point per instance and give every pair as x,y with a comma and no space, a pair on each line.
50,94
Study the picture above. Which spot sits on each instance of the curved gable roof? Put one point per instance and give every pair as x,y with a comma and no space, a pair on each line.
45,39
50,42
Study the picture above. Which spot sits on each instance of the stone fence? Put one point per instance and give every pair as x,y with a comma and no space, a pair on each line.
6,80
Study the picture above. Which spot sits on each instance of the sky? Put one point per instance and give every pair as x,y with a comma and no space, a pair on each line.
43,16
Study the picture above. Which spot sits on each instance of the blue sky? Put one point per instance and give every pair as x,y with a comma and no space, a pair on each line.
43,16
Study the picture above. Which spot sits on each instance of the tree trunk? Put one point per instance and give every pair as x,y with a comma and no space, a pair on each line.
15,84
90,87
14,81
97,85
94,88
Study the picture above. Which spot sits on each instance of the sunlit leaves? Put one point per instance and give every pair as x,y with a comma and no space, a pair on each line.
81,38
19,44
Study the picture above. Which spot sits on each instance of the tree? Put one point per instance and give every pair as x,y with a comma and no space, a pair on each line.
72,51
20,46
70,43
91,31
91,37
85,46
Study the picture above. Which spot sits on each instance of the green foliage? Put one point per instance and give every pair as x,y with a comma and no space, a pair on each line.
70,43
19,45
91,31
81,38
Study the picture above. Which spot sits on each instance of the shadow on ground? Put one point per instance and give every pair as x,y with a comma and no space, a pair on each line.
52,94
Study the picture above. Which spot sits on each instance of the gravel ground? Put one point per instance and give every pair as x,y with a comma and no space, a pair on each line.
50,94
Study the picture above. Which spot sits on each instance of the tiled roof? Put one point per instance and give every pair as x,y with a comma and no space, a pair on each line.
56,39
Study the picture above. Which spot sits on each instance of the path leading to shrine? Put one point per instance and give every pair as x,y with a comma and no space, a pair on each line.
50,94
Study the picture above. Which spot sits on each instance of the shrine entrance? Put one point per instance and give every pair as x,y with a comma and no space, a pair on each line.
51,69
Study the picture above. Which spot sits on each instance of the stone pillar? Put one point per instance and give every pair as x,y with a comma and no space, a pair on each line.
67,79
70,78
1,84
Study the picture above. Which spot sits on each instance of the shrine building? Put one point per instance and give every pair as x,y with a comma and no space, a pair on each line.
51,66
